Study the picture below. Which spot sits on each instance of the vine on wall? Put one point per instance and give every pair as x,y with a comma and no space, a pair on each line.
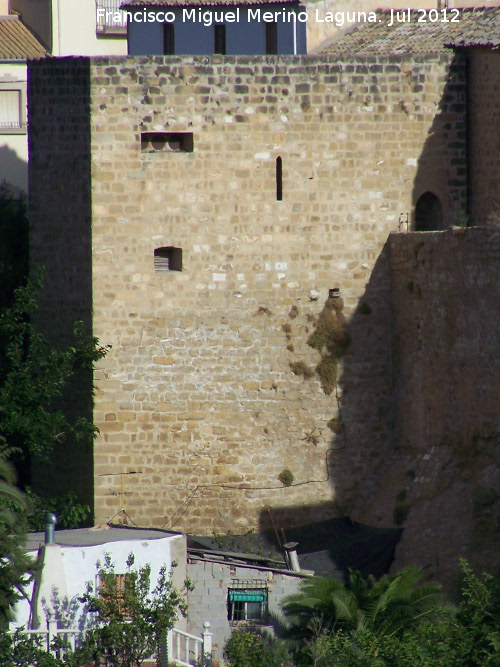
331,339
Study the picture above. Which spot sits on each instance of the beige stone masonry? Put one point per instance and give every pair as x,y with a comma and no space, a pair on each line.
196,400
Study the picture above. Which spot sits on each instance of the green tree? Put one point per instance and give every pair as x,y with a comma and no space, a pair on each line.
16,567
476,639
70,513
33,376
387,606
313,608
250,649
130,620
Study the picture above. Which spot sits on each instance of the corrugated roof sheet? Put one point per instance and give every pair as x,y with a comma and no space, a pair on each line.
328,547
475,27
202,3
17,42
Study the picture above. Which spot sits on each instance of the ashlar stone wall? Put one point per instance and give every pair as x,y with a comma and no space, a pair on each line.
197,401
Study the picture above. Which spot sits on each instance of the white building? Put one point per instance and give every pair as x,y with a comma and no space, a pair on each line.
17,45
31,29
70,562
73,27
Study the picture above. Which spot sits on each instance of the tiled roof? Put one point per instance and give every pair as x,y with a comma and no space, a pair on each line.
474,27
203,3
17,42
480,27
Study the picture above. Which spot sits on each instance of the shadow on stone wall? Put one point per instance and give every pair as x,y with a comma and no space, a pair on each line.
363,407
13,170
61,243
419,403
369,474
442,164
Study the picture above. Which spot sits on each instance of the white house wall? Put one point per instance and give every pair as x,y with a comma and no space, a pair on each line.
70,25
79,567
14,146
74,31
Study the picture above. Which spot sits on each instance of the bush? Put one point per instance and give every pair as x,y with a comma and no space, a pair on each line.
250,649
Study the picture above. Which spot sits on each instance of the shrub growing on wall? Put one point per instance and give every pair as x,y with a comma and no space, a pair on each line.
331,339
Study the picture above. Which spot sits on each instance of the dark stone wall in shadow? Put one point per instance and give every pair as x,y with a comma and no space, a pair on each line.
367,405
445,471
442,165
61,242
419,403
483,81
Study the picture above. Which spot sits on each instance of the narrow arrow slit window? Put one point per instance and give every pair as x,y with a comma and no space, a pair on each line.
279,179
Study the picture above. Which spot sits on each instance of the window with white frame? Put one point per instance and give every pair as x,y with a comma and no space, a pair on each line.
109,17
11,117
12,105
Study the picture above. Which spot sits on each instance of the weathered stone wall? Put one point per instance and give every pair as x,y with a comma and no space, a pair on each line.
197,397
441,481
209,600
483,86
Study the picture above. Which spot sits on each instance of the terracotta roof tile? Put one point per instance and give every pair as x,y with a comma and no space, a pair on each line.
475,27
17,42
480,27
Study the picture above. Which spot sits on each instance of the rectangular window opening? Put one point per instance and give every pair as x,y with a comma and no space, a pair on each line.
167,142
10,110
168,39
168,258
111,589
247,603
220,39
271,39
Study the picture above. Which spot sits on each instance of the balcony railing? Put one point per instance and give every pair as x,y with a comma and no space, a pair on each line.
109,18
188,650
181,648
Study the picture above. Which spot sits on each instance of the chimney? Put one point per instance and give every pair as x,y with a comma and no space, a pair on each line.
50,525
291,556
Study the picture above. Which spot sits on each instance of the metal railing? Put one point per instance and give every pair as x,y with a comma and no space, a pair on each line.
106,13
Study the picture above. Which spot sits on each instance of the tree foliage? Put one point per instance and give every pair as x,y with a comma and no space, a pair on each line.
33,376
387,605
69,511
16,567
387,624
131,620
250,649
